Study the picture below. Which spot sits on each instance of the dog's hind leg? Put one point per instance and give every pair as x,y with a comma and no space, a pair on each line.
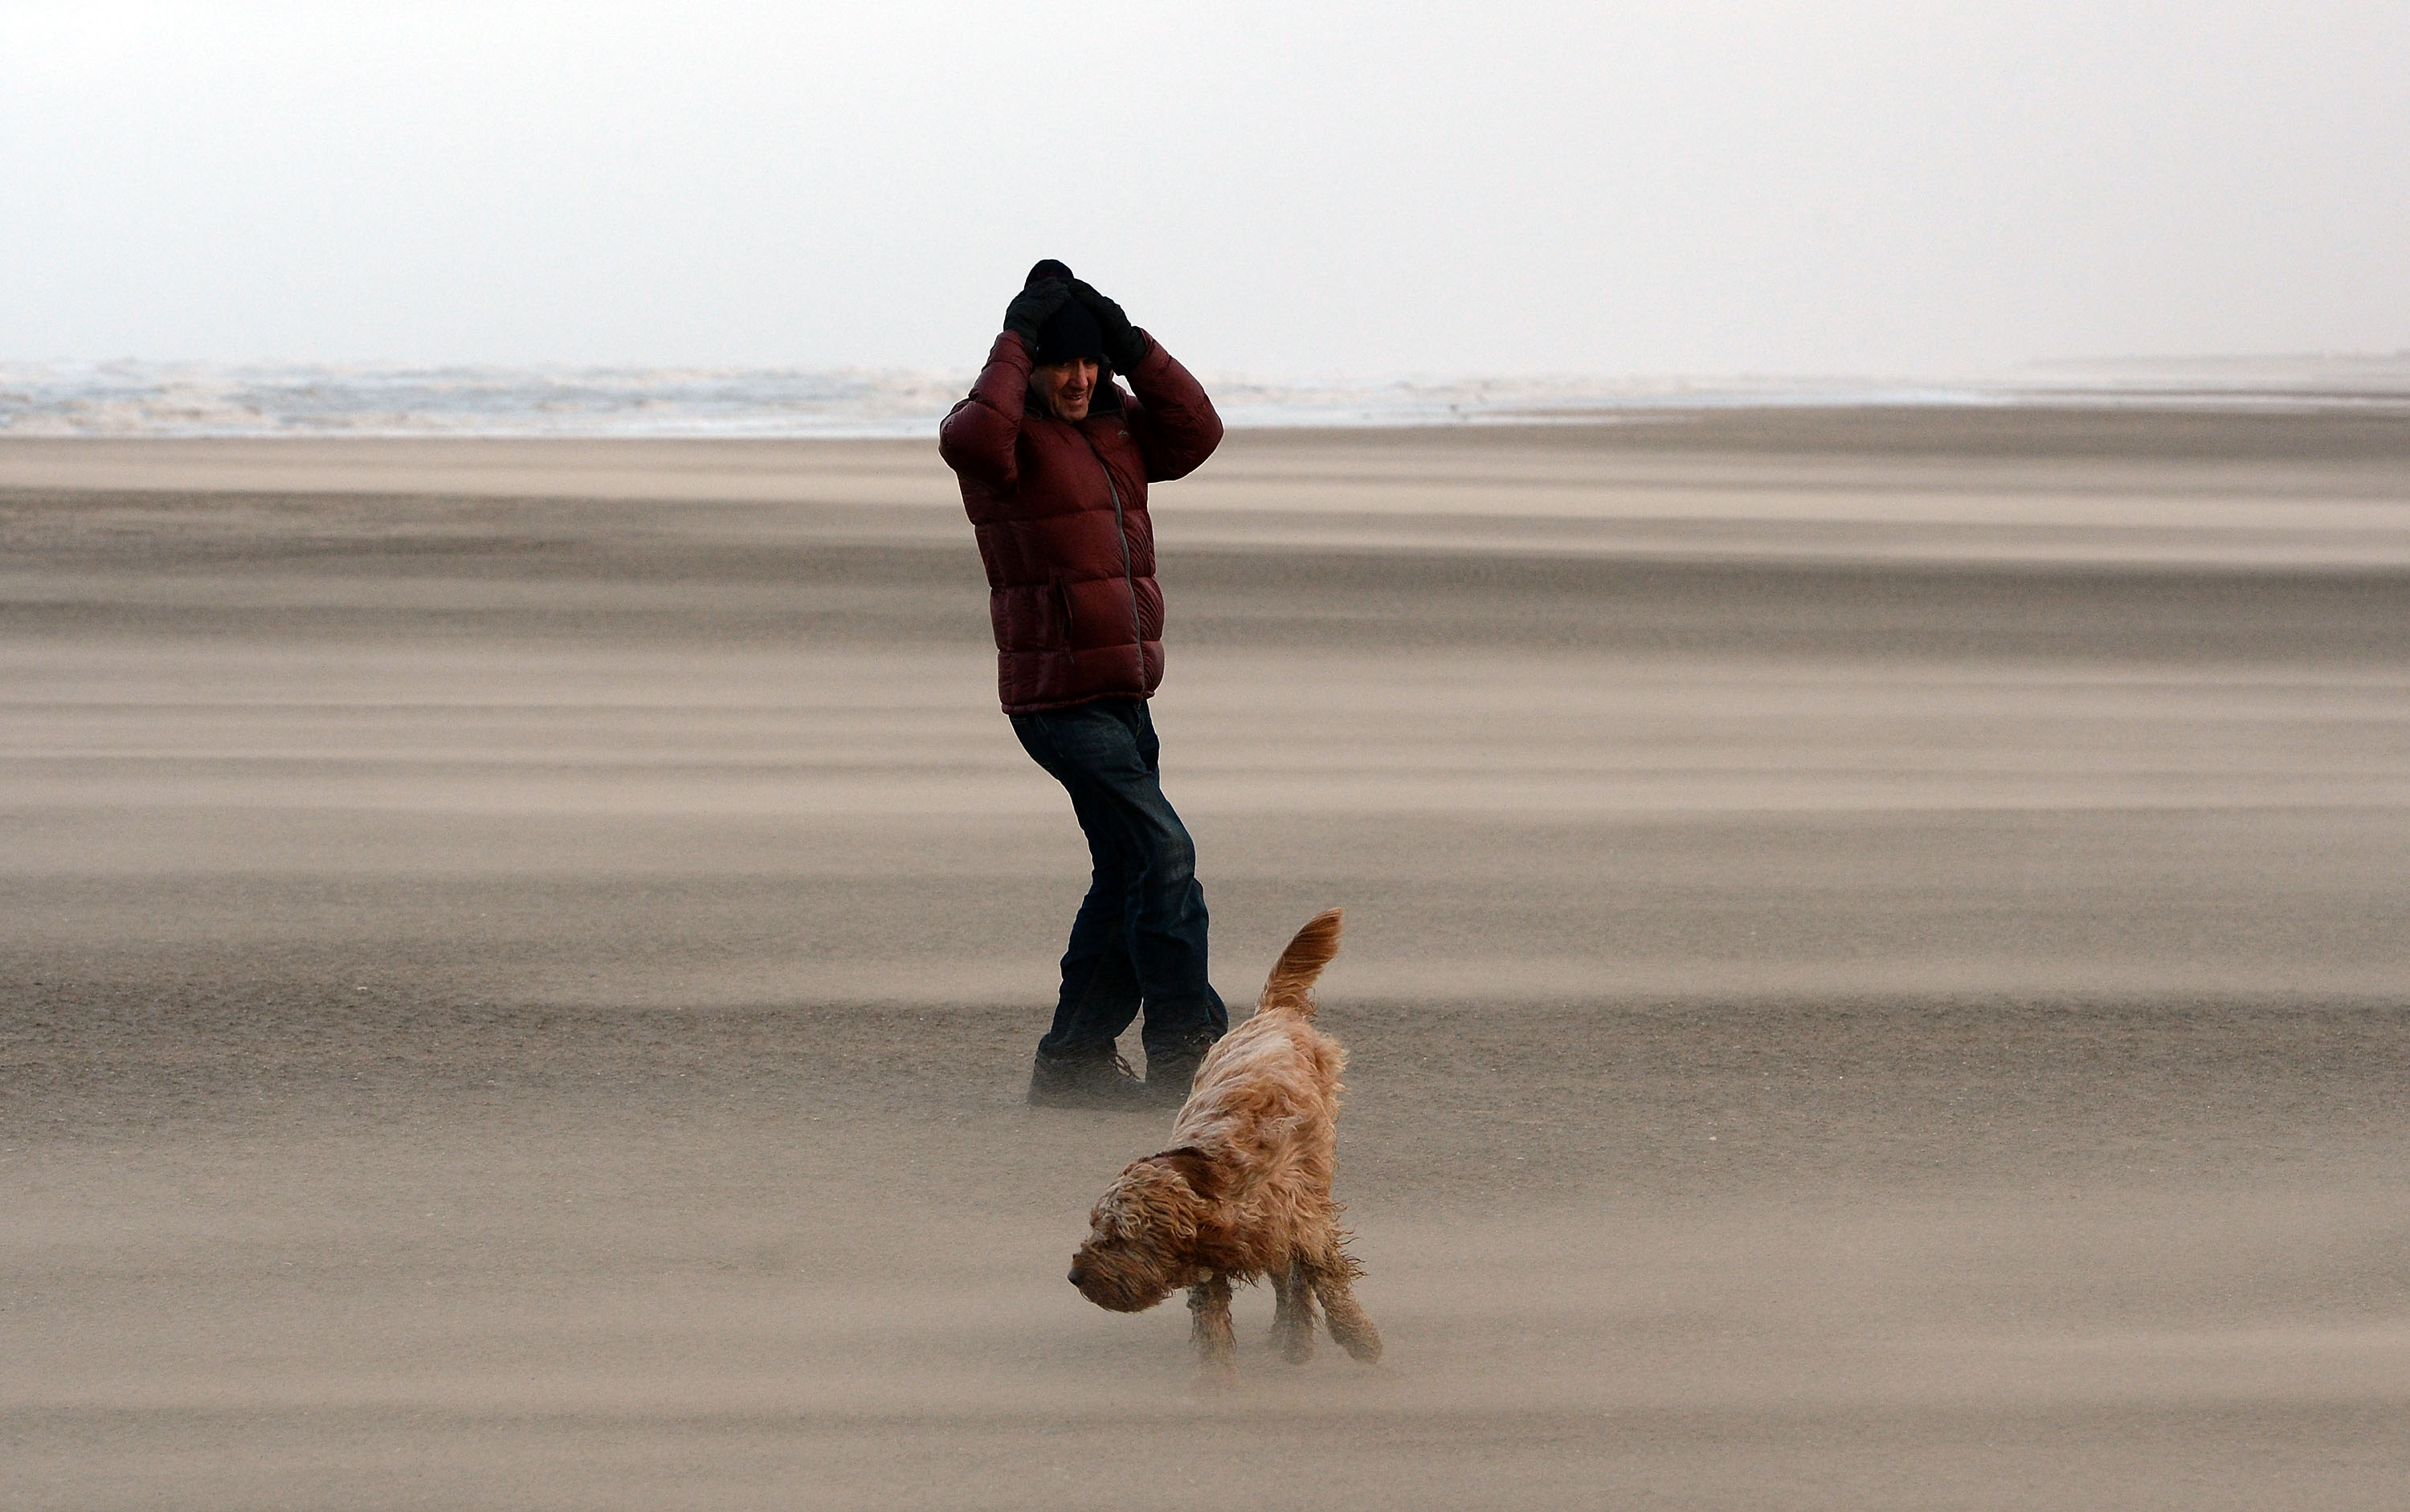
1334,1282
1293,1314
1217,1349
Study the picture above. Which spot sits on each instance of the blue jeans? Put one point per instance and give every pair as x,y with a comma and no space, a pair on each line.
1139,937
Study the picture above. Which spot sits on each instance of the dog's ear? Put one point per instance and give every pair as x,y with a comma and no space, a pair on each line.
1196,1168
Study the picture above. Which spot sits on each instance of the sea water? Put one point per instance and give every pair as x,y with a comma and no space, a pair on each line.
165,399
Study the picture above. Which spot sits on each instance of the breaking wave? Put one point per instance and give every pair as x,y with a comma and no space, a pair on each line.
157,399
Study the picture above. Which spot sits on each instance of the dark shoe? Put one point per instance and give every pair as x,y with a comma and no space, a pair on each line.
1085,1079
1171,1072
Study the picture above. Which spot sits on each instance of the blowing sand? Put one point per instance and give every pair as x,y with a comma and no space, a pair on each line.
1875,972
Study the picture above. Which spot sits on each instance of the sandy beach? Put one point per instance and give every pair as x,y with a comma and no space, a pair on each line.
1876,971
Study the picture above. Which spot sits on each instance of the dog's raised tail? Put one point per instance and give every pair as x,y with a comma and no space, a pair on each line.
1291,986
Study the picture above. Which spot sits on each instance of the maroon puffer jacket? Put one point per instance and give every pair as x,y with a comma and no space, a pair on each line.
1061,514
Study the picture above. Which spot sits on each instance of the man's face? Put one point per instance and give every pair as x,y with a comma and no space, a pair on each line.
1066,387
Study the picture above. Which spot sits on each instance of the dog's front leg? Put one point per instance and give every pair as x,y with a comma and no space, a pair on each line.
1218,1350
1293,1314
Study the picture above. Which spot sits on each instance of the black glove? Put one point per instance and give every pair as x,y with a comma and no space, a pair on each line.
1125,343
1031,307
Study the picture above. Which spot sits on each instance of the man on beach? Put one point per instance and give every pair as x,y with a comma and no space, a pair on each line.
1054,458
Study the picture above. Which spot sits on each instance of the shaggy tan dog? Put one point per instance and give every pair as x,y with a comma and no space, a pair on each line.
1245,1191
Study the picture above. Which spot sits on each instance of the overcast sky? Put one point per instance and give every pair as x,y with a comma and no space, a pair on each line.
1289,189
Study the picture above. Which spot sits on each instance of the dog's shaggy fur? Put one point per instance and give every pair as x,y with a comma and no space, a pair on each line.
1245,1191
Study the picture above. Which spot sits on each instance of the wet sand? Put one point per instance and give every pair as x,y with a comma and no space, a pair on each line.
1875,970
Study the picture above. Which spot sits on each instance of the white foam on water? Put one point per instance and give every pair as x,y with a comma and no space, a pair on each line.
164,399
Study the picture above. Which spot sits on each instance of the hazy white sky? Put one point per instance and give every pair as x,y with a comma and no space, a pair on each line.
1281,189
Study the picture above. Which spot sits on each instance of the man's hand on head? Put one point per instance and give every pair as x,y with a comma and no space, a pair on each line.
1031,307
1125,343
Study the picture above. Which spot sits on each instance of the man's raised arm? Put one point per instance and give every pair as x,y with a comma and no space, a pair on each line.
977,438
1175,423
978,435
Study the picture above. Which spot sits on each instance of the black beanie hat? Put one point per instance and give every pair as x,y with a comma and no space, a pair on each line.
1069,332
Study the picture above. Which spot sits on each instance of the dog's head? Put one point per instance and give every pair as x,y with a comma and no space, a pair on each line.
1142,1234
